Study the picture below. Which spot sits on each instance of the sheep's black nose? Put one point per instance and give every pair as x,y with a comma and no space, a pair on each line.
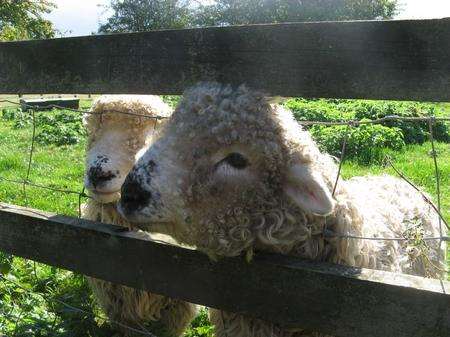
97,176
134,196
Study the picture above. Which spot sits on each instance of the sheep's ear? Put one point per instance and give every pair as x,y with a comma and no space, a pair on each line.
308,190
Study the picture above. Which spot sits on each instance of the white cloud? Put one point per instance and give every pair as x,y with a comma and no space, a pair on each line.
424,9
78,17
82,17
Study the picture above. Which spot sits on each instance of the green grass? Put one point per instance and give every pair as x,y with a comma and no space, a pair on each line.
59,167
25,313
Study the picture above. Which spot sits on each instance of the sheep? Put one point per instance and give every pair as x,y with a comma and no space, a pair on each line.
232,174
114,142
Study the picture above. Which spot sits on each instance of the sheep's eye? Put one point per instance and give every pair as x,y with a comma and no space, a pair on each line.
235,160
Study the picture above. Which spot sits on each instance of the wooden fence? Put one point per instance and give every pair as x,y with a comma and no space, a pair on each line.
405,60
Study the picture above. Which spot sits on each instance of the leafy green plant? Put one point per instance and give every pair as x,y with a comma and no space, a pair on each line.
366,143
60,128
57,127
39,300
20,118
332,110
5,263
200,326
9,114
318,110
171,100
413,132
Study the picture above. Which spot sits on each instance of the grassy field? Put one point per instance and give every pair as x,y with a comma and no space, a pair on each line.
24,312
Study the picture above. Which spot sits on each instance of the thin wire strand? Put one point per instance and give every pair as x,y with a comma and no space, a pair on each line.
48,108
341,160
30,157
54,189
33,138
330,234
305,123
436,171
424,196
376,121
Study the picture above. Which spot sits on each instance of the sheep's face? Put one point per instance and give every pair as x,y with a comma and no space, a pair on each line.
113,148
223,169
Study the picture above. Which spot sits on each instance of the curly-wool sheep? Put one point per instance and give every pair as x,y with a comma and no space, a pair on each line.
233,174
115,139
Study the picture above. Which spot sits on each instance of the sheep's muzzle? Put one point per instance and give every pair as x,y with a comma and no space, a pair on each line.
134,197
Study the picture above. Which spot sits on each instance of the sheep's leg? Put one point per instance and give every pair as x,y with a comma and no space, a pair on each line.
234,325
142,310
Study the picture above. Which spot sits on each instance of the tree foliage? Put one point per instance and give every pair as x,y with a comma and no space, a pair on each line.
23,19
233,12
143,15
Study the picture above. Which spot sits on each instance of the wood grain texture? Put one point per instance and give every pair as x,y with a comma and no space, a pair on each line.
334,299
405,60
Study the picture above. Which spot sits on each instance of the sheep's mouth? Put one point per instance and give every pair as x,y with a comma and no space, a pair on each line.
103,193
103,196
135,216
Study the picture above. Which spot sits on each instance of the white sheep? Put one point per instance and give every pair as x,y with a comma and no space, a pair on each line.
231,174
115,139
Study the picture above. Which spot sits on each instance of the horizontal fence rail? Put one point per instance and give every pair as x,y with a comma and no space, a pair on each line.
404,60
334,299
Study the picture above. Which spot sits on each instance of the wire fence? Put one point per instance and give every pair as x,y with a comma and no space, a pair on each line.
139,330
431,120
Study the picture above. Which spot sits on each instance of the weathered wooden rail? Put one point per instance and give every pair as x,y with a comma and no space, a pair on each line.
335,299
406,60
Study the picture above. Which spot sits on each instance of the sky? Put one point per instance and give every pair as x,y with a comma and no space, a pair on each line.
78,17
82,17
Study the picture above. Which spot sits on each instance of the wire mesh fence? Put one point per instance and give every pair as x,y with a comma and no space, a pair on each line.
26,182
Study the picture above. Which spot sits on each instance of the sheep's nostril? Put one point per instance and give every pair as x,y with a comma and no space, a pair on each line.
134,196
97,176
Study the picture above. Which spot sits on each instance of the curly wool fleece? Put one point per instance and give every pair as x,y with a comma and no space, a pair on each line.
130,306
111,111
280,202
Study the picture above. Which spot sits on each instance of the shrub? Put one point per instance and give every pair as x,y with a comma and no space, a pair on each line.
338,110
366,143
60,128
413,132
200,326
171,100
5,263
20,118
9,114
318,110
